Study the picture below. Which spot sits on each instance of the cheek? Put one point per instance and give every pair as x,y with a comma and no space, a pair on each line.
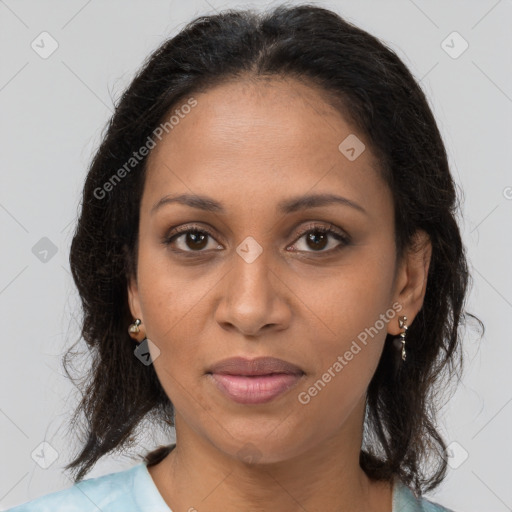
349,300
173,297
344,368
347,317
174,307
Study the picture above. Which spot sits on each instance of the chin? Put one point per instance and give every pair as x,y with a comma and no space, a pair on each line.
258,449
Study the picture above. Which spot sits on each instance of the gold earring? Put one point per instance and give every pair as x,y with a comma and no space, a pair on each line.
402,324
134,330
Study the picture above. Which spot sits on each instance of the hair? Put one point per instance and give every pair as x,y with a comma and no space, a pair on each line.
372,88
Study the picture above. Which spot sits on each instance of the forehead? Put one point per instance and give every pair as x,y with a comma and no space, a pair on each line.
259,137
270,113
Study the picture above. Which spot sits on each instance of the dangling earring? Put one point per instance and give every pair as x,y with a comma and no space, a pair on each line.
402,324
134,331
144,352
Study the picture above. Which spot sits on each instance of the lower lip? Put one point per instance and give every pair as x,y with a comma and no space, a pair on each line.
254,390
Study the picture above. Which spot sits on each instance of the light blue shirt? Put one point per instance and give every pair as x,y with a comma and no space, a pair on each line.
133,490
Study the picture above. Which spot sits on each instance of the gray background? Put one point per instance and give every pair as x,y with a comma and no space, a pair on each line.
53,111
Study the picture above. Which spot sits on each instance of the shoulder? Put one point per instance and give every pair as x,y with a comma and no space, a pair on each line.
404,500
109,493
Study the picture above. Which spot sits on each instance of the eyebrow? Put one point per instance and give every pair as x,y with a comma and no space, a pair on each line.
291,205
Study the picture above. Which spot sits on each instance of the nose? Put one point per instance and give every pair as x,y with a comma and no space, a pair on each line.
254,297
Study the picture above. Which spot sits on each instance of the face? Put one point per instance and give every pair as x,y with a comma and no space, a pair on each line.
250,278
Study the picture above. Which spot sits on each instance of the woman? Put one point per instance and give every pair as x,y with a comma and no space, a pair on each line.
271,219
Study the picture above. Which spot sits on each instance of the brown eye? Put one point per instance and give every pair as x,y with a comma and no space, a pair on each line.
316,239
195,240
188,239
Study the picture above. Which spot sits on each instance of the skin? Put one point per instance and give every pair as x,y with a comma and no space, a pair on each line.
250,144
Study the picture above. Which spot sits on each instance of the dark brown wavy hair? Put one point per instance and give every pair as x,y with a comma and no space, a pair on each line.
374,90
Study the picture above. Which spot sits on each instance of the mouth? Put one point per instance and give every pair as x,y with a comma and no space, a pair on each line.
255,381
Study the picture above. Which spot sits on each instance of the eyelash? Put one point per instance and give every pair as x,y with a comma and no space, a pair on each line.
312,228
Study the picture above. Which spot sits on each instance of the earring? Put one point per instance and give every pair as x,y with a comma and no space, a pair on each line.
134,331
402,324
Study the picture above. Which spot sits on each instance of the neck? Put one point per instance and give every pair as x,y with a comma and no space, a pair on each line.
196,475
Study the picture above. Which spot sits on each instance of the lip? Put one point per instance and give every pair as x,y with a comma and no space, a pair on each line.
254,381
258,366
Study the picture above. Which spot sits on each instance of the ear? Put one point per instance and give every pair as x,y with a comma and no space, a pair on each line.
134,299
411,279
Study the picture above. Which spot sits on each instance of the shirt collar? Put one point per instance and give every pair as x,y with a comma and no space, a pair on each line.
404,500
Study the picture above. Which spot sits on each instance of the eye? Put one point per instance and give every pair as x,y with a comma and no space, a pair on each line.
317,238
190,239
